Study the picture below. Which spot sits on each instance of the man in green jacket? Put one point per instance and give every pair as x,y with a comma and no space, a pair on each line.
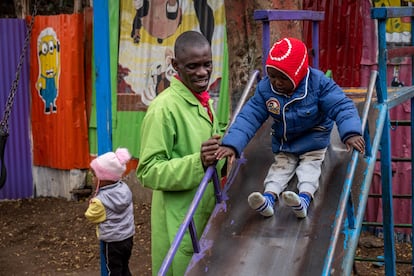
179,137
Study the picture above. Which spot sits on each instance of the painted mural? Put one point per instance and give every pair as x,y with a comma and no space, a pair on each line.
58,117
147,34
398,29
48,50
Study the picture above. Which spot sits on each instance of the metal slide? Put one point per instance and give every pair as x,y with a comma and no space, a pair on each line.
238,241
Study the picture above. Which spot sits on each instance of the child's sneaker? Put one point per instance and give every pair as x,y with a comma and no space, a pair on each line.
262,203
299,203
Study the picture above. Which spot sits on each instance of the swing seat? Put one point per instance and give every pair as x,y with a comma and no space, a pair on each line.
3,172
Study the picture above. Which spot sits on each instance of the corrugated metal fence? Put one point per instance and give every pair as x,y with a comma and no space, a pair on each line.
18,160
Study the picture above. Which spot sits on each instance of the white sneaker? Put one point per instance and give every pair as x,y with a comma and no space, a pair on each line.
261,204
293,200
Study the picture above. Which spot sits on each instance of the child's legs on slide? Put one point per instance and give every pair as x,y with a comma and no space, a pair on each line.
280,173
308,173
281,170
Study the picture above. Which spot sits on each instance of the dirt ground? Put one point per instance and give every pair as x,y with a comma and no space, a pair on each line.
50,236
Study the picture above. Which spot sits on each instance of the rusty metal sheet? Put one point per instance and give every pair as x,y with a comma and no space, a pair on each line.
340,38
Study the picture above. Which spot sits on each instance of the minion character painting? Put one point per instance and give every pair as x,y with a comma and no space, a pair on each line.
49,68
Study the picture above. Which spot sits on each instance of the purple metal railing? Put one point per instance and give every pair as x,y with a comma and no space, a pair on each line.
282,15
211,173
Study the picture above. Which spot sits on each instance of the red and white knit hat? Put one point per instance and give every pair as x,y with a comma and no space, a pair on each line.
111,165
289,56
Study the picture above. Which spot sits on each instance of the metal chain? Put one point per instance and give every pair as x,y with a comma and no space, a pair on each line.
4,123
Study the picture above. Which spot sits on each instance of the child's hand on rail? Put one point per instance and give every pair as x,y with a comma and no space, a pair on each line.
224,151
357,142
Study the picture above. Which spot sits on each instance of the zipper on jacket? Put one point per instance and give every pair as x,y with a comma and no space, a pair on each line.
296,99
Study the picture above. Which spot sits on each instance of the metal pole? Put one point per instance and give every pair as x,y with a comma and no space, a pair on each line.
102,74
102,86
344,199
187,220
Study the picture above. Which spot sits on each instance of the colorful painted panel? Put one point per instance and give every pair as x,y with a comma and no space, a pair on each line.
148,30
398,30
59,127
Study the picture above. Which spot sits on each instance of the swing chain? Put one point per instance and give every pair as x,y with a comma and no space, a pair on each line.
4,123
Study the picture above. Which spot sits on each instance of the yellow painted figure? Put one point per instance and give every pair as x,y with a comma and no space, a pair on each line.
399,28
49,68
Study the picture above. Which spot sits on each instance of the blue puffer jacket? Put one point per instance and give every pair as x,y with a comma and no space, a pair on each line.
301,122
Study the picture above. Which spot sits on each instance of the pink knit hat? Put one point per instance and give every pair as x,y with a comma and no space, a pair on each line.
111,165
289,56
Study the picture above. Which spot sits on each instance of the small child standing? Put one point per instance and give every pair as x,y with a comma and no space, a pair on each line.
111,208
304,104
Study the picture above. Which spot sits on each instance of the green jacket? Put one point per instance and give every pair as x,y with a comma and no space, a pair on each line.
172,132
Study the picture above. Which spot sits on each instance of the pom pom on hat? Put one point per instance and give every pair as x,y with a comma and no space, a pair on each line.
289,56
111,165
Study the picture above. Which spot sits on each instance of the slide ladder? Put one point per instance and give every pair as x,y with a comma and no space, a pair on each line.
390,98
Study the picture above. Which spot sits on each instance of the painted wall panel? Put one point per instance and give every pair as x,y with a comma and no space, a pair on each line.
18,159
58,111
146,41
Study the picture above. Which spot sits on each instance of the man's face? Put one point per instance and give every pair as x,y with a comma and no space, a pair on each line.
194,66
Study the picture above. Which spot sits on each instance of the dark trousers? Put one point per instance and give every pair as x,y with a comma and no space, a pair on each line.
117,256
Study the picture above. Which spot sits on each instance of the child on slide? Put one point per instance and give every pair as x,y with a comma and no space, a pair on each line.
304,104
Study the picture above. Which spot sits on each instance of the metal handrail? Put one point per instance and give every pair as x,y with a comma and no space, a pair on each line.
345,195
211,173
253,77
188,220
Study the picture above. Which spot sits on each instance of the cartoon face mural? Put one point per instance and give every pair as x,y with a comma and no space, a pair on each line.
145,52
160,18
48,49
